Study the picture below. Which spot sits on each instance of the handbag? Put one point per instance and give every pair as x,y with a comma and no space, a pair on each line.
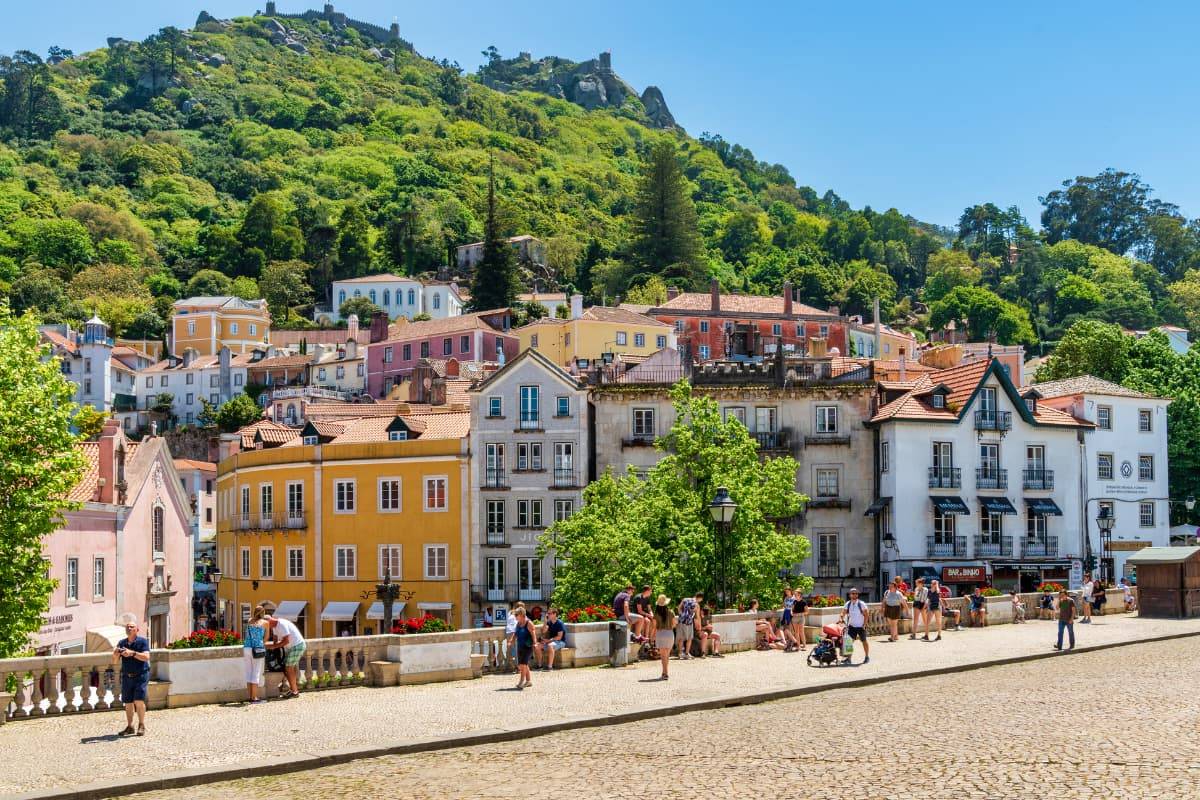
258,652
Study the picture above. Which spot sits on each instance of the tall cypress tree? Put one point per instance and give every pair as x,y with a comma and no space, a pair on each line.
494,284
666,240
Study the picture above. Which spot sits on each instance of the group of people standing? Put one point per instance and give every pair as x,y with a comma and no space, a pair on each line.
671,628
927,606
263,632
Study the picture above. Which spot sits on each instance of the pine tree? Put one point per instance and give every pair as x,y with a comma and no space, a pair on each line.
666,240
494,284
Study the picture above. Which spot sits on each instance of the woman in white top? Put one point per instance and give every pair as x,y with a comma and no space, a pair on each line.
920,608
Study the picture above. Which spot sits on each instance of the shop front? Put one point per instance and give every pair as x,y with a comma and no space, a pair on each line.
963,578
1027,576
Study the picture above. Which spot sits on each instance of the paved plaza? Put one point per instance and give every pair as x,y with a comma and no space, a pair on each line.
1128,703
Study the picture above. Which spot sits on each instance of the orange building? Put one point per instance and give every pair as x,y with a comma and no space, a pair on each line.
206,324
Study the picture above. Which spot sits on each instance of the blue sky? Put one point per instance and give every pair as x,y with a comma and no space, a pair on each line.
925,106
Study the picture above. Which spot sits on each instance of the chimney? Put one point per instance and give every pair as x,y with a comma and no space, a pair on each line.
228,445
189,356
110,438
715,290
352,349
452,370
903,366
379,326
878,332
352,327
787,298
576,306
672,293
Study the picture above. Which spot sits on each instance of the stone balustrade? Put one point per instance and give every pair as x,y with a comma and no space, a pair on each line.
56,685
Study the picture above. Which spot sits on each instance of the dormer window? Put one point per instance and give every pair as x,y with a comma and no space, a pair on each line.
939,400
310,439
398,436
1031,404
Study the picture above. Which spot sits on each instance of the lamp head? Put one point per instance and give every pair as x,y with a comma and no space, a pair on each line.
722,507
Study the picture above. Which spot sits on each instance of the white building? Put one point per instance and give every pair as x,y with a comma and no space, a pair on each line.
103,372
396,295
551,301
198,479
189,380
1177,337
1126,457
529,445
978,484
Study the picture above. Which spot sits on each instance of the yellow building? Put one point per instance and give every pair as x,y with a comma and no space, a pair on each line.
205,324
589,334
313,524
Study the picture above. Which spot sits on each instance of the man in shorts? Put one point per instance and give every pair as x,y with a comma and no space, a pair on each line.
552,639
133,653
689,610
978,609
642,613
623,612
854,614
288,637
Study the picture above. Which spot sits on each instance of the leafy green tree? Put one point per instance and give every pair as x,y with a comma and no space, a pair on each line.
28,105
494,282
39,465
245,288
268,227
1108,210
361,306
208,283
237,412
984,314
651,293
659,530
665,238
88,422
1089,347
1186,296
60,243
817,284
146,325
284,285
947,270
354,243
1076,295
867,284
42,292
207,417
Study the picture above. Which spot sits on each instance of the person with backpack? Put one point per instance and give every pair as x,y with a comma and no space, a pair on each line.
854,615
934,612
688,608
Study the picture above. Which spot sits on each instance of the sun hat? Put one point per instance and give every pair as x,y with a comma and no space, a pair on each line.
663,600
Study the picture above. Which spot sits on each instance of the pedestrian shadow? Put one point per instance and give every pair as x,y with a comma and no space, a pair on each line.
106,737
509,689
650,680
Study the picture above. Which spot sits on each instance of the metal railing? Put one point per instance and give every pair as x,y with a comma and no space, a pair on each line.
945,477
639,440
1038,479
773,440
495,538
494,478
955,547
564,478
818,439
991,478
828,570
988,420
511,593
985,548
279,521
529,422
1043,548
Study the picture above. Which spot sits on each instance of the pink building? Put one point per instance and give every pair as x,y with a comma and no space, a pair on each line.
483,336
127,550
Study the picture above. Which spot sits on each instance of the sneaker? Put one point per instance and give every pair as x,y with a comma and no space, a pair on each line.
867,660
1058,647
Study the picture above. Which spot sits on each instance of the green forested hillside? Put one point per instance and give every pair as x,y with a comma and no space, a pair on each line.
222,159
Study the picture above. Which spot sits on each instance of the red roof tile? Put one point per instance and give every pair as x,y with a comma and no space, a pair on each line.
89,483
738,304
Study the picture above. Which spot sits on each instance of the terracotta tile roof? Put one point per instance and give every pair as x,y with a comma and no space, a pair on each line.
200,362
57,339
340,411
272,433
621,316
897,386
385,277
1085,384
890,370
526,297
637,308
456,391
187,463
290,339
435,425
89,483
282,362
328,429
441,327
443,424
738,304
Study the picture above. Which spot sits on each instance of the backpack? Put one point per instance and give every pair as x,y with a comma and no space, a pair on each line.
687,613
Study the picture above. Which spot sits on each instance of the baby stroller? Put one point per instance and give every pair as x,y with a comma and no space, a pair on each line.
829,648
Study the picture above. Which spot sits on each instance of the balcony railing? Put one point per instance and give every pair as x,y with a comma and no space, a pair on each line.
988,420
828,570
1041,548
991,478
639,440
829,502
529,422
512,592
826,438
991,548
495,538
279,521
940,547
564,478
945,477
1038,479
494,478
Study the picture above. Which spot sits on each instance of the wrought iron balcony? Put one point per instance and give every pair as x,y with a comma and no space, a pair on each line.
529,421
953,547
495,538
495,478
773,440
828,569
1038,479
988,420
639,440
279,521
1041,548
991,548
564,478
512,592
945,477
991,478
827,438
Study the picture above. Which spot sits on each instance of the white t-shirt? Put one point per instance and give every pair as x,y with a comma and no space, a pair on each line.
1087,590
510,626
856,614
285,627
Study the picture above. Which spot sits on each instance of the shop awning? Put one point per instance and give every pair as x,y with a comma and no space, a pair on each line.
996,505
339,611
435,606
1043,505
376,610
290,609
104,638
879,505
949,504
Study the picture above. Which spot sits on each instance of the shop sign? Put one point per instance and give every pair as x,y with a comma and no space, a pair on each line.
1127,546
964,574
1075,581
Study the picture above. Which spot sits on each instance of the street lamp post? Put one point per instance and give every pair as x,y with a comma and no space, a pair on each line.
387,593
214,577
723,509
1105,521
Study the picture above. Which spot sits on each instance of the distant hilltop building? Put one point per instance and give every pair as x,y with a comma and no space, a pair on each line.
530,252
339,20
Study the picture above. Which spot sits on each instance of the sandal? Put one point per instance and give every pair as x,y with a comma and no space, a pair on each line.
141,731
127,732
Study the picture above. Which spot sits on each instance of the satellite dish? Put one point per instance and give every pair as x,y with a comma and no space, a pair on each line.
428,382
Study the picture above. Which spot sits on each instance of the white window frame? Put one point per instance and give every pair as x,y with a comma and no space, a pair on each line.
1104,418
390,557
1145,459
345,562
644,430
824,415
639,340
445,504
292,511
660,341
98,577
563,509
1146,415
821,476
1146,514
266,563
1100,466
391,501
71,581
495,406
345,491
704,352
292,573
266,502
885,456
244,562
622,338
444,565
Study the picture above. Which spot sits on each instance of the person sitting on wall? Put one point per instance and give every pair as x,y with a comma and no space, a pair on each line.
978,608
952,615
1018,608
553,638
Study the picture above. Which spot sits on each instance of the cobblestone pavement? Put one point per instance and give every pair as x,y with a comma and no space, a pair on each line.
1025,703
1111,724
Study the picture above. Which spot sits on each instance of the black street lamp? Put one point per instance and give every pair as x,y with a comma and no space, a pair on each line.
1105,522
214,577
387,593
723,509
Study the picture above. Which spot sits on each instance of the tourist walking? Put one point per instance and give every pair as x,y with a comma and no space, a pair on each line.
689,608
933,612
287,637
254,652
664,640
785,620
133,652
854,614
526,636
893,608
1088,588
920,610
1066,619
799,609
